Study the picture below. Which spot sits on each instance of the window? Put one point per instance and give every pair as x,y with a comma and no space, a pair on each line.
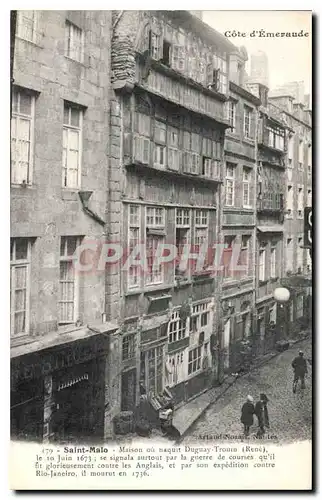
173,151
183,235
176,364
155,227
289,254
134,240
68,281
246,186
230,184
244,254
20,255
74,39
247,122
155,45
301,154
153,370
300,254
276,137
178,57
27,25
231,105
227,254
201,229
262,263
200,317
220,66
309,159
128,347
22,136
159,156
290,151
309,198
72,147
142,138
194,362
289,201
300,203
166,53
176,328
273,260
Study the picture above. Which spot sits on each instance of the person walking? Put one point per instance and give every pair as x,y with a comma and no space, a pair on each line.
247,414
261,413
299,366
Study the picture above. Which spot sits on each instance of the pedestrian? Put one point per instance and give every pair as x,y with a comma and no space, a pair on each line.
261,413
247,414
300,370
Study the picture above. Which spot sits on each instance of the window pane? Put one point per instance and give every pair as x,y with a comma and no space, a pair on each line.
21,249
20,277
25,104
66,115
75,114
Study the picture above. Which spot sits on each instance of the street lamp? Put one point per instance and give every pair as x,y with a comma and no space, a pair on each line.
282,296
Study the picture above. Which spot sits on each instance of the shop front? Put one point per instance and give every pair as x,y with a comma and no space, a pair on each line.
58,393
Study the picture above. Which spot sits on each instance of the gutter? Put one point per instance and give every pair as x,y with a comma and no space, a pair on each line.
84,197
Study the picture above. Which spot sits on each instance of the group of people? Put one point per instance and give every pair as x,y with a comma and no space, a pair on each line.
299,366
261,412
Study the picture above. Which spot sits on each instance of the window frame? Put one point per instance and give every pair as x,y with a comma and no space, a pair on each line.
131,347
34,30
79,129
194,359
262,266
160,238
273,260
69,259
69,40
232,180
248,115
247,182
31,118
14,264
136,226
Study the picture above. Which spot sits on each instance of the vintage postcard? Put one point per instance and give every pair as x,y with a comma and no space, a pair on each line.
160,250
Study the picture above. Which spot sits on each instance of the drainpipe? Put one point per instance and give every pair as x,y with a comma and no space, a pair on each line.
13,22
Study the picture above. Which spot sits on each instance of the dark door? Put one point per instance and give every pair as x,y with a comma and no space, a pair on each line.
72,412
128,390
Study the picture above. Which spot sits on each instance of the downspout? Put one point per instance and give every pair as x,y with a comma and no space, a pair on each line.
13,22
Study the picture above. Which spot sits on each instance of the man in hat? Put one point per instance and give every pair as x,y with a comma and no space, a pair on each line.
247,414
300,370
261,413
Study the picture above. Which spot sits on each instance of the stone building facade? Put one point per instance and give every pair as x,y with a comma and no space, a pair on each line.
59,195
239,216
298,263
170,77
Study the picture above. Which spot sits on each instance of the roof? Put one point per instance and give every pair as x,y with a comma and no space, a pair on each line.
56,338
193,23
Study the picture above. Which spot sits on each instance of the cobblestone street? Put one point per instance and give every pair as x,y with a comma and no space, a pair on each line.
290,414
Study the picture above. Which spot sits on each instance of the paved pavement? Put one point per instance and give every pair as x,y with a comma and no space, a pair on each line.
290,414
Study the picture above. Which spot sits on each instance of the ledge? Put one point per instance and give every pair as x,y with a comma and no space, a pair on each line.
244,93
146,168
218,119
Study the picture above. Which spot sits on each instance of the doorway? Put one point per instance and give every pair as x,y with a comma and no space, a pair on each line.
128,390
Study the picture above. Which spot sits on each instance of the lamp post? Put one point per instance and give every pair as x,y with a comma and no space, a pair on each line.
282,296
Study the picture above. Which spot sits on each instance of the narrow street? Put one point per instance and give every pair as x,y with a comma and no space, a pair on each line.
290,414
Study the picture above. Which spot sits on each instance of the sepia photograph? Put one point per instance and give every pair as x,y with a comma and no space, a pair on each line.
161,250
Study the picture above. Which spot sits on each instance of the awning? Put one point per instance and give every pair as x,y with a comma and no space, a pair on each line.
271,229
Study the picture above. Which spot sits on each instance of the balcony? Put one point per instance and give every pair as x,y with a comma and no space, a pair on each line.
271,204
